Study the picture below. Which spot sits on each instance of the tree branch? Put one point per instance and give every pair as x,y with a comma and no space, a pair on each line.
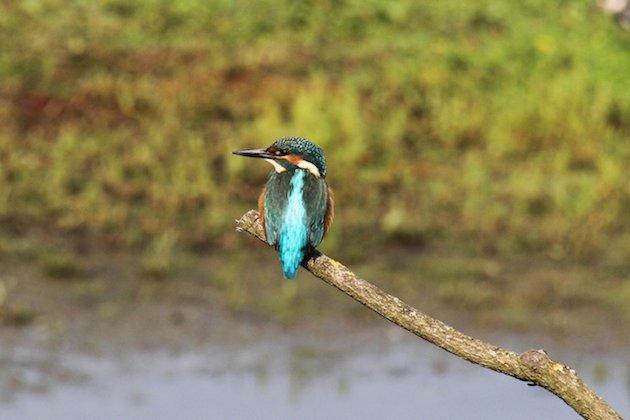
533,366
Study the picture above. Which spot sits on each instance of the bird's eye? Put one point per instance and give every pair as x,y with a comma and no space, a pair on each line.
276,152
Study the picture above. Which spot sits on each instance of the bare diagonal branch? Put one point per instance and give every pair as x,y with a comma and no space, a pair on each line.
533,366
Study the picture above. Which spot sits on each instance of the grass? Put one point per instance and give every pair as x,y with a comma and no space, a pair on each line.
499,125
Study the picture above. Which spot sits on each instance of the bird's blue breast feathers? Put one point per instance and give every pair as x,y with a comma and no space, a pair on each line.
294,230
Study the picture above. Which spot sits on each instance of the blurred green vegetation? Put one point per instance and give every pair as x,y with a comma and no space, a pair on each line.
503,125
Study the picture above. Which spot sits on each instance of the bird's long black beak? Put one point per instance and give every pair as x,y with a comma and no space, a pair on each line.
257,153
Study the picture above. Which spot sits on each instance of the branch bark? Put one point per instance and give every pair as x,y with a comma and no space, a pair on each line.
533,366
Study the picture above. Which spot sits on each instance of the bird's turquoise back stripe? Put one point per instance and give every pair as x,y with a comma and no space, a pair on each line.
294,232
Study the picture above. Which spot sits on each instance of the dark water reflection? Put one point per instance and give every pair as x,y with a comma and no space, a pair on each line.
224,341
287,376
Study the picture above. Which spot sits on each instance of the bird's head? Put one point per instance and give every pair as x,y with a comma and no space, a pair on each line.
289,153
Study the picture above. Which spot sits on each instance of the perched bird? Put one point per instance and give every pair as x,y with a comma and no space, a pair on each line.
296,204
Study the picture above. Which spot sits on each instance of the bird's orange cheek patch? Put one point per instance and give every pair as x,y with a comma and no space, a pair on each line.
293,159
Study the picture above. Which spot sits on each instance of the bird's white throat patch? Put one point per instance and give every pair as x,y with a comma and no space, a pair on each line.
309,167
301,164
279,168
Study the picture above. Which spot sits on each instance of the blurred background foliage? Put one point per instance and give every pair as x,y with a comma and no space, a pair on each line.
500,126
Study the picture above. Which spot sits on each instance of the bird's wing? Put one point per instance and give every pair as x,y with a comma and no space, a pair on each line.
275,203
316,200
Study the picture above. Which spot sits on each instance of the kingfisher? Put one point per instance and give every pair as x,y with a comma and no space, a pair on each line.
296,205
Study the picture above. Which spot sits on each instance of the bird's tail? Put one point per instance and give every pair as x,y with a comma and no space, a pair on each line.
291,256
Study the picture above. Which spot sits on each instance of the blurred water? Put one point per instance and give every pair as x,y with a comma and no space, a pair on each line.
285,378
